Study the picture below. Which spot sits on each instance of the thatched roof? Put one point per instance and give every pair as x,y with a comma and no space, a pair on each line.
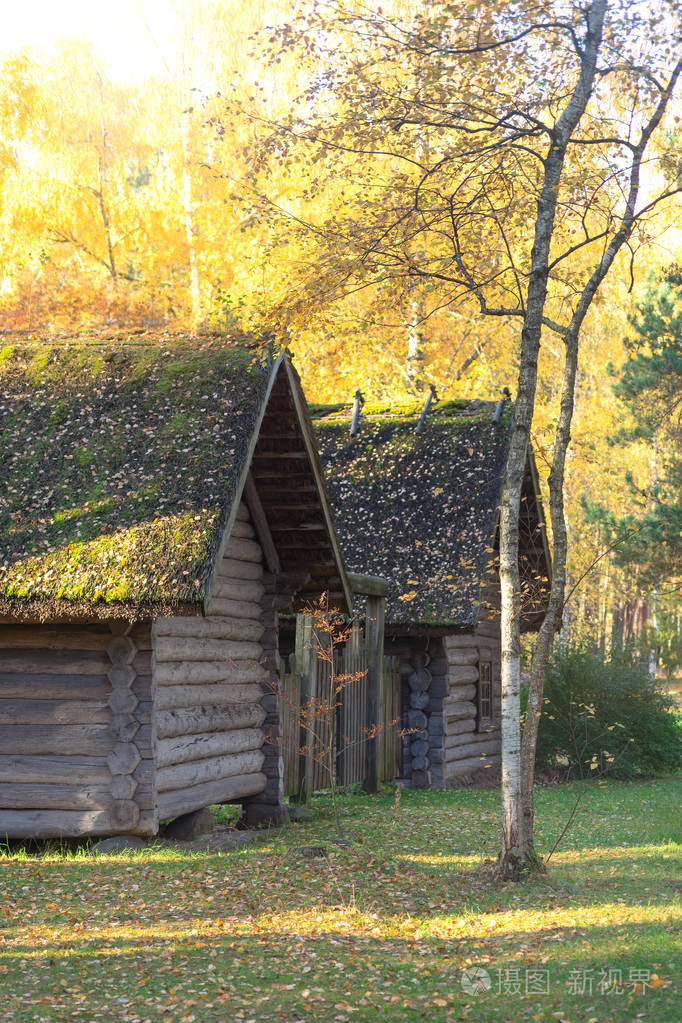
419,510
119,459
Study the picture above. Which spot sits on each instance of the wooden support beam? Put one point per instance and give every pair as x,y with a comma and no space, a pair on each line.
273,498
369,585
303,548
288,527
374,640
272,473
277,455
305,640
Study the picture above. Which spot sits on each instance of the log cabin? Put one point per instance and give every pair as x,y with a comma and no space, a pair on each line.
162,501
416,500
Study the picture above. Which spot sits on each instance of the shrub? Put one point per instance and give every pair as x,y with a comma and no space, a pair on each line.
603,716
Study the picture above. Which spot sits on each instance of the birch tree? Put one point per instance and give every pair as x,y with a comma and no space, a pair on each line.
539,121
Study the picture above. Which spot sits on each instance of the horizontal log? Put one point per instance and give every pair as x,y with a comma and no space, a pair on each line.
242,528
230,568
461,694
239,549
457,768
458,727
53,712
461,651
46,637
56,823
453,709
185,749
227,790
221,607
54,687
172,649
237,589
206,672
207,720
242,514
47,796
460,750
462,674
64,740
56,770
54,662
208,628
181,776
172,697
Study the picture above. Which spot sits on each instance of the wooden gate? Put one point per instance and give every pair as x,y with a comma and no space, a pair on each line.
325,725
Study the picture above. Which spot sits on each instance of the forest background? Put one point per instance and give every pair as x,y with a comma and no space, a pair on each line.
141,189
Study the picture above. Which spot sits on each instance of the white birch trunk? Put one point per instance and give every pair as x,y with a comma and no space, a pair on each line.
514,849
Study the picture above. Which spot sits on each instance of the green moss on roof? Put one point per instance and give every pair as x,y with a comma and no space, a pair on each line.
119,460
407,407
419,510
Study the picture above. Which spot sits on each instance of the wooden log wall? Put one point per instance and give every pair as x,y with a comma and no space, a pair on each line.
210,680
267,806
438,666
76,742
416,669
470,748
413,678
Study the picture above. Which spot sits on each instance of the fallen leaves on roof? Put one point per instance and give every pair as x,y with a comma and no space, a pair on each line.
419,510
118,460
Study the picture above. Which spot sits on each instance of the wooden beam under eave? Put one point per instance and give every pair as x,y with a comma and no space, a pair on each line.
261,525
289,527
369,585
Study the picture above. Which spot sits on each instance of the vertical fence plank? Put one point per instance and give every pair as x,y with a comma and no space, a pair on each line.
290,688
307,678
374,642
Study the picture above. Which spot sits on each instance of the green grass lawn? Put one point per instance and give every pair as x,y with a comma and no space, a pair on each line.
380,930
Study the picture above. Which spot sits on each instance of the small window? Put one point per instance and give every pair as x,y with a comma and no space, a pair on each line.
485,692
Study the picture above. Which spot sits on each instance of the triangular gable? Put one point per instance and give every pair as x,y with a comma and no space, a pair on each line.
282,484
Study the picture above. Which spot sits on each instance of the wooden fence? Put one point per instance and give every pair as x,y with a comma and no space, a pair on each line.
334,733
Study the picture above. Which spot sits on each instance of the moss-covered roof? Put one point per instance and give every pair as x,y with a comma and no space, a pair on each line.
419,510
118,460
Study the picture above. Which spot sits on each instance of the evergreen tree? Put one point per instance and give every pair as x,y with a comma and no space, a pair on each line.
648,541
